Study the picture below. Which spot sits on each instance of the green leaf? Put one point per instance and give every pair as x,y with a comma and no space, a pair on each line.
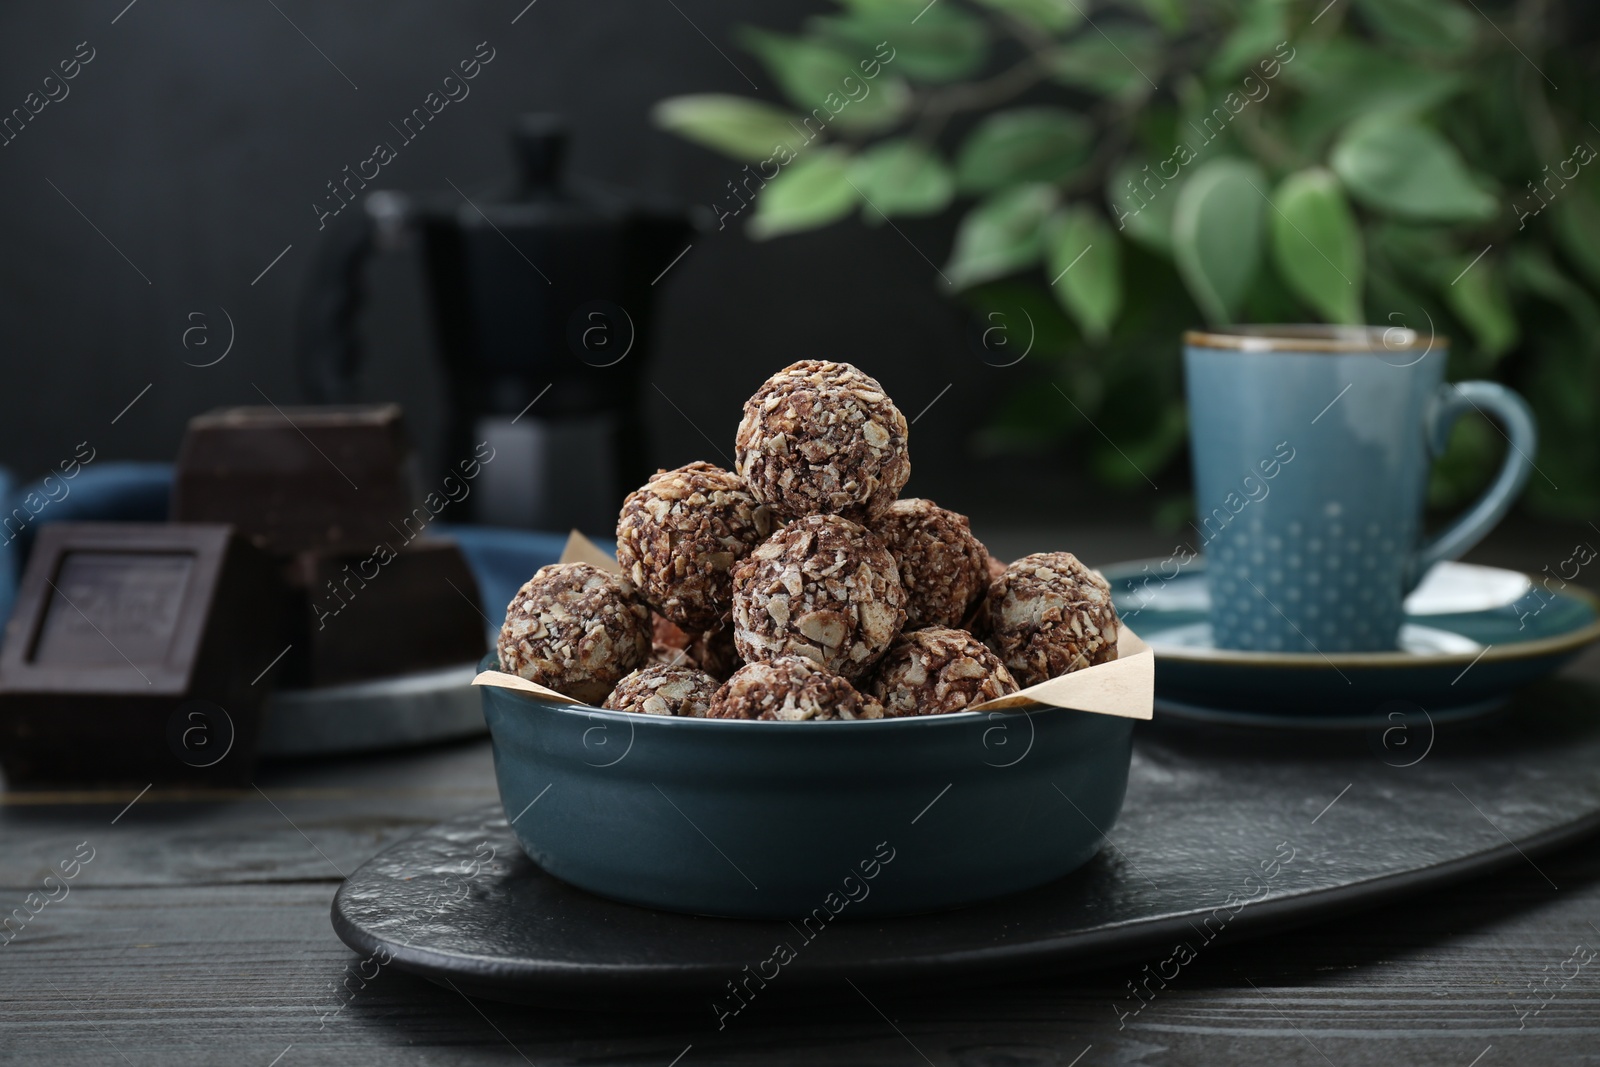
812,191
1395,164
1431,25
1478,298
901,177
1269,299
1016,315
1402,304
1039,144
1133,460
905,10
1154,131
1121,61
1085,268
1141,204
1414,251
1263,26
1500,129
829,83
1001,235
1469,460
1577,231
946,43
748,130
1171,15
1026,421
1050,16
1533,272
1216,234
1561,379
1343,79
1317,245
1156,308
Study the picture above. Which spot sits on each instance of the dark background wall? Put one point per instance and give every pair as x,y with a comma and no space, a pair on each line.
200,135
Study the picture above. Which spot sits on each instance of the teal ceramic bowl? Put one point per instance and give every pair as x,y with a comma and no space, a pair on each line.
777,820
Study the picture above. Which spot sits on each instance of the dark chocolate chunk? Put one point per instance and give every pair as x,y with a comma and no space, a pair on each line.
132,652
386,612
298,478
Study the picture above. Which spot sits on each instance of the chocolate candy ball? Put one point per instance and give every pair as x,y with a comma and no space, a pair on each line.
658,689
823,438
937,671
1048,614
679,535
576,629
790,689
945,570
821,587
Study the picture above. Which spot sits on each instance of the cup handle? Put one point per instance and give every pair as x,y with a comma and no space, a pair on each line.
1453,400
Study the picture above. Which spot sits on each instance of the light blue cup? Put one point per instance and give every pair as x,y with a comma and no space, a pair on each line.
1311,448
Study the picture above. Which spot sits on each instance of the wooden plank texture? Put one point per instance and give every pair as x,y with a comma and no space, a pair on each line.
314,819
238,973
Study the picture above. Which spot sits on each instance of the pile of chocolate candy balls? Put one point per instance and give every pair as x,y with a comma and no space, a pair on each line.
799,585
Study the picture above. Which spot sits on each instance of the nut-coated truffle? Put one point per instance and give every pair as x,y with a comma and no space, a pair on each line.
790,689
945,570
937,671
679,535
658,689
576,629
822,587
823,438
1047,615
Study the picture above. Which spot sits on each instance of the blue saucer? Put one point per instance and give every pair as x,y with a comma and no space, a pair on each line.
1472,637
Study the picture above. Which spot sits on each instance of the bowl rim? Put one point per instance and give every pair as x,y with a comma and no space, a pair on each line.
689,722
686,722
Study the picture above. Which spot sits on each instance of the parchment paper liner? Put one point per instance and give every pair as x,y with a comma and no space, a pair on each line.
1124,687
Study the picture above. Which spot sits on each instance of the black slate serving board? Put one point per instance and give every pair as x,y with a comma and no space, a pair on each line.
1225,834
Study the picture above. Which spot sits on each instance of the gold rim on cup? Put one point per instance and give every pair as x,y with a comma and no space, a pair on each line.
1315,337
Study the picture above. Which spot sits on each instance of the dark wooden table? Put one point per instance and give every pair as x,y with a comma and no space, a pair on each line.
198,933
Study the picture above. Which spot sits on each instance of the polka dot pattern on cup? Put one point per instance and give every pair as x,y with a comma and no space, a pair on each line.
1307,587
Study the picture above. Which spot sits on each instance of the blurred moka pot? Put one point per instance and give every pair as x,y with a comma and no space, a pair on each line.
542,310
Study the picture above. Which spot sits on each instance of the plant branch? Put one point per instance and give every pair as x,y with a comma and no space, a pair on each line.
1268,149
978,96
938,106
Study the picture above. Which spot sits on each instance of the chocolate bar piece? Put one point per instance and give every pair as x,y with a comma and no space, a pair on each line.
131,654
387,612
298,478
